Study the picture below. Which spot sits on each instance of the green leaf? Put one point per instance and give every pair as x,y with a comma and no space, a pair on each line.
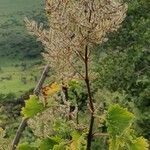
78,141
32,107
139,144
47,144
60,146
118,120
25,146
75,135
74,84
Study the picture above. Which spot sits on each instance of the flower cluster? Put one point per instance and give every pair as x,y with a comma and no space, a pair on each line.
73,26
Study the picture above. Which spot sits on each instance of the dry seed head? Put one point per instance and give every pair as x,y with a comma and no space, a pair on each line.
74,24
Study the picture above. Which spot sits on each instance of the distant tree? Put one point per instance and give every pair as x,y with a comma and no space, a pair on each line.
123,63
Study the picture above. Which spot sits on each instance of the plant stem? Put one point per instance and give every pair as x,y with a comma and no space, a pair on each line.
90,134
23,124
77,102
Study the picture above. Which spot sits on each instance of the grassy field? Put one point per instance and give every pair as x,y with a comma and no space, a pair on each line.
19,52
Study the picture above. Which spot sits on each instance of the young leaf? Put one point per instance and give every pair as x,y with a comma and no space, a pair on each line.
47,144
118,120
60,146
139,144
25,146
78,141
32,107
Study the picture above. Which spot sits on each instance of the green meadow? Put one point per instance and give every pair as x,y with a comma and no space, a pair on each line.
19,52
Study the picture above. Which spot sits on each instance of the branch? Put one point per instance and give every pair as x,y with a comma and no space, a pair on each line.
89,137
90,132
80,55
23,124
76,69
41,81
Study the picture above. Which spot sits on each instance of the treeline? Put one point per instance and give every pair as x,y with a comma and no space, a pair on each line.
123,63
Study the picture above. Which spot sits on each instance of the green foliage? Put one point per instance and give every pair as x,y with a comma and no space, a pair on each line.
32,107
78,141
47,144
62,128
4,142
60,146
123,63
100,143
77,94
139,144
53,143
118,120
122,137
26,146
17,47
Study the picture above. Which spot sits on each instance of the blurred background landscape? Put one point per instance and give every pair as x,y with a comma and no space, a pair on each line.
123,63
19,52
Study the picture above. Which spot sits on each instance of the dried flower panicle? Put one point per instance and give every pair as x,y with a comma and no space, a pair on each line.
71,17
43,124
73,25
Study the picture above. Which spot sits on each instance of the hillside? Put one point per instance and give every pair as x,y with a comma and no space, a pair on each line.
18,50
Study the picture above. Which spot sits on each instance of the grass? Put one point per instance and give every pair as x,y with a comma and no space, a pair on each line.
19,78
19,52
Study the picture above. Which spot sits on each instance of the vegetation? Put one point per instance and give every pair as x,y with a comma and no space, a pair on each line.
124,64
19,52
97,96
